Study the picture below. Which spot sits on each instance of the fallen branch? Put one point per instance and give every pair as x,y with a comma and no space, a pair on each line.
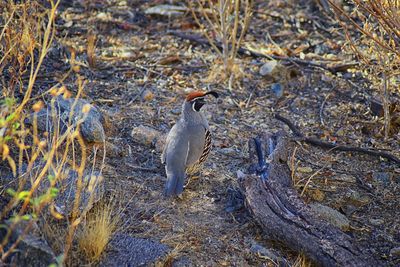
244,51
317,142
284,216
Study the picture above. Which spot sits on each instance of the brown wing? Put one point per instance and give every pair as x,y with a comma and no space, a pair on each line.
207,147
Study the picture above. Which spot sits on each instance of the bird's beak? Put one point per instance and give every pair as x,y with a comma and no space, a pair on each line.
214,94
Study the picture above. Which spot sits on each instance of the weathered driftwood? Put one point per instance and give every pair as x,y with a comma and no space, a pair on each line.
284,216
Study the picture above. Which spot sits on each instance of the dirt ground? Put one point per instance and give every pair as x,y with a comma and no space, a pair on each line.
140,78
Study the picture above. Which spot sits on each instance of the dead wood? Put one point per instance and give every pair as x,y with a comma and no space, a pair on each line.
317,142
203,41
284,216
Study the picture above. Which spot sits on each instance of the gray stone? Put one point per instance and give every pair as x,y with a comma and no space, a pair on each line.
32,250
166,10
331,215
91,123
92,190
376,222
264,252
395,252
277,89
124,250
268,67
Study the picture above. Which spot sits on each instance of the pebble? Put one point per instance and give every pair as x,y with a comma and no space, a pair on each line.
376,222
268,67
277,89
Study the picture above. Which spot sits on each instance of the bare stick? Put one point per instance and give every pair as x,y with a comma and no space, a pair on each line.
317,142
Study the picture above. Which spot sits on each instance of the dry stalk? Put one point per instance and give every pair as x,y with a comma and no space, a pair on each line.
224,22
47,156
378,49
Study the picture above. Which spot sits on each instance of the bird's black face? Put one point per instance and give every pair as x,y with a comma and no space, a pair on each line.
197,103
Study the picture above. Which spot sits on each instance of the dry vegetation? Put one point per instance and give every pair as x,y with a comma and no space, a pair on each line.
224,24
378,48
97,230
38,161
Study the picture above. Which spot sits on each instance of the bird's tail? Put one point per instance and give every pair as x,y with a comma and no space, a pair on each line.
174,185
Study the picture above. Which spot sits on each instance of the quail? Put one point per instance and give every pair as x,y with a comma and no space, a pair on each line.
188,142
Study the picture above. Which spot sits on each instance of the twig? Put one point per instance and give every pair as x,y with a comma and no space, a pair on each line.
244,51
321,110
309,179
320,143
144,169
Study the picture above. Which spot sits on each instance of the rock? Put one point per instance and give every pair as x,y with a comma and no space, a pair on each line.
277,89
91,127
331,215
145,135
161,142
93,187
92,191
383,178
395,252
263,252
166,10
268,68
124,250
32,250
376,222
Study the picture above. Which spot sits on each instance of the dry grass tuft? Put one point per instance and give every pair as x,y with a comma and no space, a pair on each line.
97,231
302,261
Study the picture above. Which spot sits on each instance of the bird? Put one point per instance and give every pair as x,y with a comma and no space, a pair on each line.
188,142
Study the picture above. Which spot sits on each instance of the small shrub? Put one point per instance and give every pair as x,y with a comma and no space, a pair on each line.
224,23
